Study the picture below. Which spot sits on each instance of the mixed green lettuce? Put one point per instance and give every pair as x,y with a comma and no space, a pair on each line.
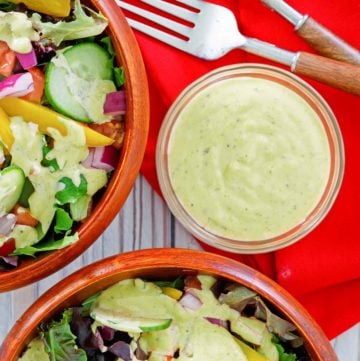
60,341
45,246
83,25
6,5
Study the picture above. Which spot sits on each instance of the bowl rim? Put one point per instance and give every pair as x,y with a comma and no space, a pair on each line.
130,159
333,134
181,260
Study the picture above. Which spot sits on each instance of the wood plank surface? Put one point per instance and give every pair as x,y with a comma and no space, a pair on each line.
144,222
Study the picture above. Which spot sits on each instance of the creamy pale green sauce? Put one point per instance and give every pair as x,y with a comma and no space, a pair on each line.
17,31
195,338
69,151
89,94
190,334
248,159
35,351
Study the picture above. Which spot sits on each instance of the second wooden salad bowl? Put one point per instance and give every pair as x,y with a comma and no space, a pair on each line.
162,264
136,124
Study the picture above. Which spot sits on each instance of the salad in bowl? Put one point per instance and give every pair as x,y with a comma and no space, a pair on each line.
188,318
166,305
62,107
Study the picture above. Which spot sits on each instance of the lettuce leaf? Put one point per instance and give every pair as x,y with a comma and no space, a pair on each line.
82,27
52,163
178,283
119,72
284,356
50,245
60,341
6,5
71,193
63,221
119,76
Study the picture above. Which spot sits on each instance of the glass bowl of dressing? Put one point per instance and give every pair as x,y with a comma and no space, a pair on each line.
250,158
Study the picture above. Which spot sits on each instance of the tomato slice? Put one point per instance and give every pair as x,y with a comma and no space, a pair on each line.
39,84
114,130
7,59
24,217
192,282
8,247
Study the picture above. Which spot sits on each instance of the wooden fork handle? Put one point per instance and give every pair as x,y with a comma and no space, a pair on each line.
328,71
327,43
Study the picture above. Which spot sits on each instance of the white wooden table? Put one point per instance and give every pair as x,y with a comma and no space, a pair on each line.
144,222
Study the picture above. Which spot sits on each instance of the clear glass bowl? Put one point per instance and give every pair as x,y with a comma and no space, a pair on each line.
335,142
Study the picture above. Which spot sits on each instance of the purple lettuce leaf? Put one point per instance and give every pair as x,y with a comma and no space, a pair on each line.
122,350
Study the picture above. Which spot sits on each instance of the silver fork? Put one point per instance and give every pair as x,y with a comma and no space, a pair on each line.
215,33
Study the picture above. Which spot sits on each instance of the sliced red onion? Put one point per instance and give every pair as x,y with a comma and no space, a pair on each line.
12,261
87,162
105,158
16,85
115,103
217,321
28,60
190,301
7,224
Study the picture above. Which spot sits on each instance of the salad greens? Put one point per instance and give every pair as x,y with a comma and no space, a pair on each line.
60,341
83,25
6,5
71,193
283,356
119,72
46,246
63,221
142,320
51,163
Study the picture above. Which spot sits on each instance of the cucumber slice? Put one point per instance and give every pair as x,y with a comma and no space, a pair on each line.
89,61
120,322
12,181
59,96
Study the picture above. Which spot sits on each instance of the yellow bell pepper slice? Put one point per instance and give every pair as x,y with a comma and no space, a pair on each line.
250,353
172,292
46,118
59,8
6,136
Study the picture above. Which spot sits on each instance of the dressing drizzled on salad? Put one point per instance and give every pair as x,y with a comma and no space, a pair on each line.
198,318
55,75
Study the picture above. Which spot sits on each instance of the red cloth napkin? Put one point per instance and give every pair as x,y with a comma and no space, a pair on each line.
323,269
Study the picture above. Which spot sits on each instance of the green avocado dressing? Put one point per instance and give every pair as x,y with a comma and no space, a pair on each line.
88,93
190,332
248,159
69,151
17,31
35,352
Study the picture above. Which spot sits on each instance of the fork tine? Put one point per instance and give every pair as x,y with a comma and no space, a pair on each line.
158,34
167,23
196,4
178,11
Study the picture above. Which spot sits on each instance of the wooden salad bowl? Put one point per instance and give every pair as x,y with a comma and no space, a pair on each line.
162,264
123,179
